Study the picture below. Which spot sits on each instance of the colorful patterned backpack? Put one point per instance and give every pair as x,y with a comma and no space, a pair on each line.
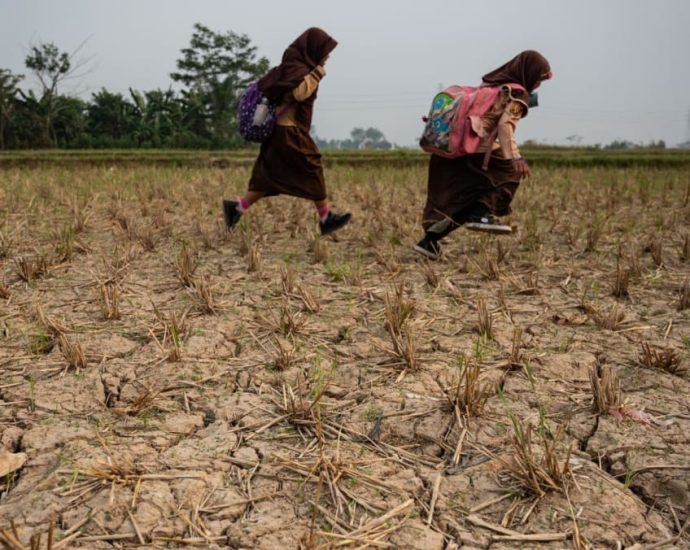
256,115
454,127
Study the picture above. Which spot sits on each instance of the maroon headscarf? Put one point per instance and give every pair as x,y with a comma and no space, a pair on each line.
527,69
300,58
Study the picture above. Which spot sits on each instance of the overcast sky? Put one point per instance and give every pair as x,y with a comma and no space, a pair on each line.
621,67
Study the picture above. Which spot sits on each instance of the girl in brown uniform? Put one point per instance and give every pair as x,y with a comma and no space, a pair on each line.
289,162
460,191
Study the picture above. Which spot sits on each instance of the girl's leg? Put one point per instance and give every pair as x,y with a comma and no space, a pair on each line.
250,197
430,246
330,221
497,203
233,210
323,209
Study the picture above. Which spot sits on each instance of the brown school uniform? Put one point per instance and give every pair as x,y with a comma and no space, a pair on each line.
289,162
457,185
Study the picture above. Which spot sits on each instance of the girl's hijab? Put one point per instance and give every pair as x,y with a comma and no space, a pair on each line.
528,69
299,59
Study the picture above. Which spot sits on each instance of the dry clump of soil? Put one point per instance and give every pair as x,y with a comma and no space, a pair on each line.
166,384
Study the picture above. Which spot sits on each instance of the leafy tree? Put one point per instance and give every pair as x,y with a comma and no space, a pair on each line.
50,66
369,138
158,116
111,118
70,123
217,57
33,126
195,119
214,69
8,96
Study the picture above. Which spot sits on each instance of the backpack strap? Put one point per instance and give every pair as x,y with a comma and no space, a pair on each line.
285,109
490,142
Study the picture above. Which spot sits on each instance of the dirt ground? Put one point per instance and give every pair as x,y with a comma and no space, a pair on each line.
164,384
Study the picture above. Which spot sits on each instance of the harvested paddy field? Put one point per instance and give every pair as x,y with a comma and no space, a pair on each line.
166,384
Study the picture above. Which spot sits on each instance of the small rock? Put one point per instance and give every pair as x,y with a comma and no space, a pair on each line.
416,535
183,423
11,462
246,454
10,438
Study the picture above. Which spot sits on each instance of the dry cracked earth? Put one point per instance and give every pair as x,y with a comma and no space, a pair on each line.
165,384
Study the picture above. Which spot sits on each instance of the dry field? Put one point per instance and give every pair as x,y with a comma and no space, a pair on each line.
164,384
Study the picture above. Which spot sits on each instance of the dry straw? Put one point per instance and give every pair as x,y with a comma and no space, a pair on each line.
537,472
606,389
6,241
141,404
684,296
109,300
284,355
397,312
4,289
484,320
621,282
488,267
668,360
467,395
613,319
289,322
73,352
31,268
185,265
684,249
10,539
146,237
254,257
204,297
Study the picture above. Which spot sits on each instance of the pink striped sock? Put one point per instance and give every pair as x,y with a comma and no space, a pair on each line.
323,213
242,205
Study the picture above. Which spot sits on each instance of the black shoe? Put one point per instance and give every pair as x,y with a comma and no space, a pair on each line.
333,222
487,223
430,249
232,216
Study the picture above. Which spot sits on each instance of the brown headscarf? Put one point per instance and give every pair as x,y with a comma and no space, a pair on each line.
300,58
527,69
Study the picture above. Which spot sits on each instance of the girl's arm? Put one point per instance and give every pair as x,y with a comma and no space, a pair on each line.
309,85
506,129
513,112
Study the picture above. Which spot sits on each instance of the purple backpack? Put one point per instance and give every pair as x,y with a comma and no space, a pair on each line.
256,115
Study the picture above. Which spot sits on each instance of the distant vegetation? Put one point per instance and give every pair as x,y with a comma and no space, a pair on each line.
539,156
371,138
212,71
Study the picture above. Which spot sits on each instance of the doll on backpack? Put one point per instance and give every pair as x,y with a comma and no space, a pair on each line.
289,162
465,191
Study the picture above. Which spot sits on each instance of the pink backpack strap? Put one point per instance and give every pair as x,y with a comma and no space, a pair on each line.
490,142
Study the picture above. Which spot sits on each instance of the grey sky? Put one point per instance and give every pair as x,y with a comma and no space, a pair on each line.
620,67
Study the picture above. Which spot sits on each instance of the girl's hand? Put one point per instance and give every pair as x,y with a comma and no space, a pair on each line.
521,167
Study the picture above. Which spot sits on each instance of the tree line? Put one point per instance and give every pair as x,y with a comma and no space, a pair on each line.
211,73
360,138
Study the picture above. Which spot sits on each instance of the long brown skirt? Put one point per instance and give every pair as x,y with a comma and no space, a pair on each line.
457,186
289,163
